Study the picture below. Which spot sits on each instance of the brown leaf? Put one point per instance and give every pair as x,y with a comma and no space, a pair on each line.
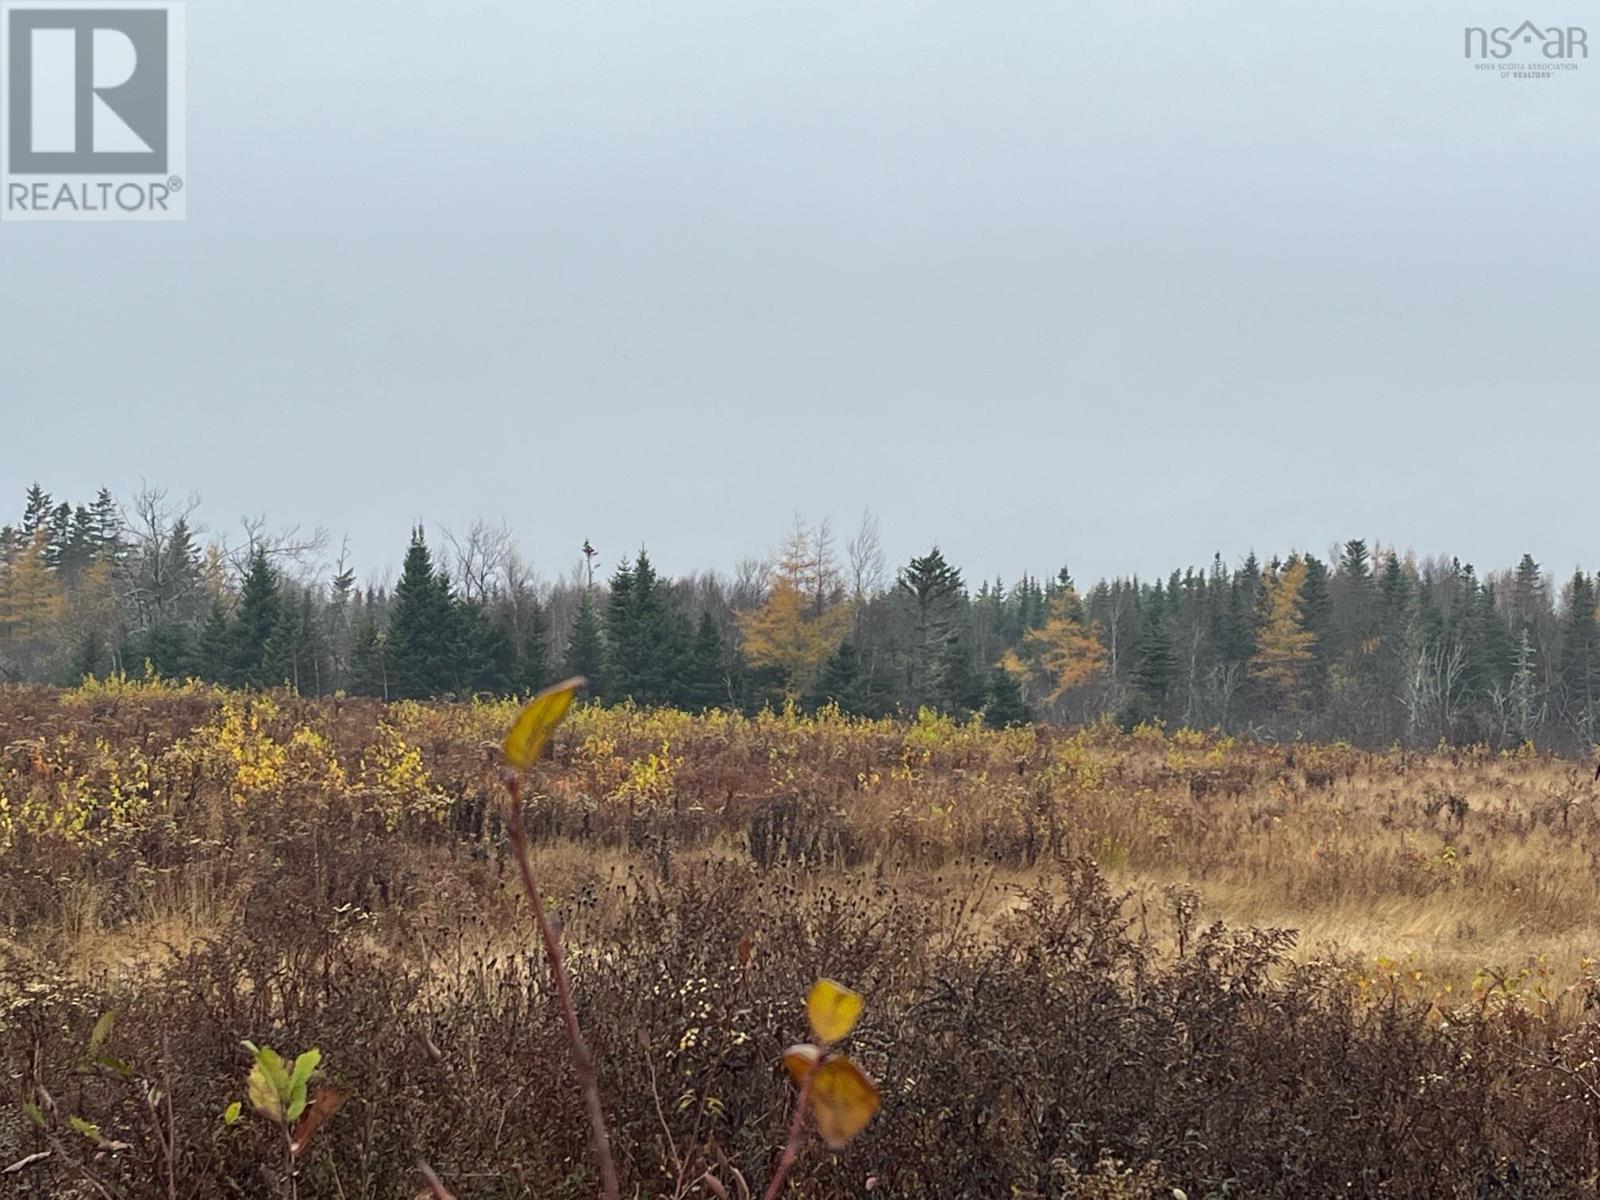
800,1060
324,1104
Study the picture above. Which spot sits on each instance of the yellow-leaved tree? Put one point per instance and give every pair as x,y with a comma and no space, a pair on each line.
1062,654
806,614
31,603
1283,643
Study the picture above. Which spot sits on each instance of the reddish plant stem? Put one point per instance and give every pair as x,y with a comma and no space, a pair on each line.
582,1057
791,1148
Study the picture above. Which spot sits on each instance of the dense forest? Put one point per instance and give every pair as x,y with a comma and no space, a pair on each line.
1369,645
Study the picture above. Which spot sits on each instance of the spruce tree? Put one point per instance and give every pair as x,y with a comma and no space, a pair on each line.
255,618
645,636
840,682
533,668
485,660
369,657
704,680
586,651
212,656
36,512
1155,666
422,641
934,594
1005,705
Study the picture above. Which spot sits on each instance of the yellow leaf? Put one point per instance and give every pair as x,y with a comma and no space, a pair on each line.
264,1097
832,1009
800,1060
537,721
844,1100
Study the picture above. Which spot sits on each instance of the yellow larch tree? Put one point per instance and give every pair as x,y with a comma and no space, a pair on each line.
805,615
1283,643
1062,654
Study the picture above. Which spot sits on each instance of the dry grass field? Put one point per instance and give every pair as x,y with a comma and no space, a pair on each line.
1096,964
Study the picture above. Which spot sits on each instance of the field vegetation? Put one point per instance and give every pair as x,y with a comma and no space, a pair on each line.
1095,963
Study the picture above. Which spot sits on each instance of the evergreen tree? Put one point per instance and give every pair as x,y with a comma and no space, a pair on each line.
935,594
369,656
254,621
586,651
422,642
705,674
485,660
212,657
842,682
91,659
1579,669
533,668
36,513
291,655
1004,705
645,638
108,531
1155,665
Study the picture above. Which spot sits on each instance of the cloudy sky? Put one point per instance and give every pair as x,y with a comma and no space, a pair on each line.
1113,283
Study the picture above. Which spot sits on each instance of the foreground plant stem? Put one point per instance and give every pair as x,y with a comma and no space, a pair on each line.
791,1148
582,1057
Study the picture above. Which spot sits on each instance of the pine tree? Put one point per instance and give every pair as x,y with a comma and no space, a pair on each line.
422,639
1579,668
1316,616
533,669
705,673
36,513
586,652
935,595
369,657
961,688
645,636
842,683
108,529
255,618
1155,666
1005,705
212,658
291,657
485,660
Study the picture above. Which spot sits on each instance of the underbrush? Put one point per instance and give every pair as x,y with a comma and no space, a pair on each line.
331,875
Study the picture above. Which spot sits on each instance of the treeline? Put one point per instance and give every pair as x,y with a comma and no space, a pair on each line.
1369,645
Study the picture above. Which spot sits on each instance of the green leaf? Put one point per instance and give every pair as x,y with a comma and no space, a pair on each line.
303,1066
277,1074
35,1113
90,1131
112,1063
230,1115
100,1032
268,1085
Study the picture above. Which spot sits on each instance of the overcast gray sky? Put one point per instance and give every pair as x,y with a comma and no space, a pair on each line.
1113,283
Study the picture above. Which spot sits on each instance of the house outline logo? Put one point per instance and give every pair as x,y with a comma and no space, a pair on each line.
1556,43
